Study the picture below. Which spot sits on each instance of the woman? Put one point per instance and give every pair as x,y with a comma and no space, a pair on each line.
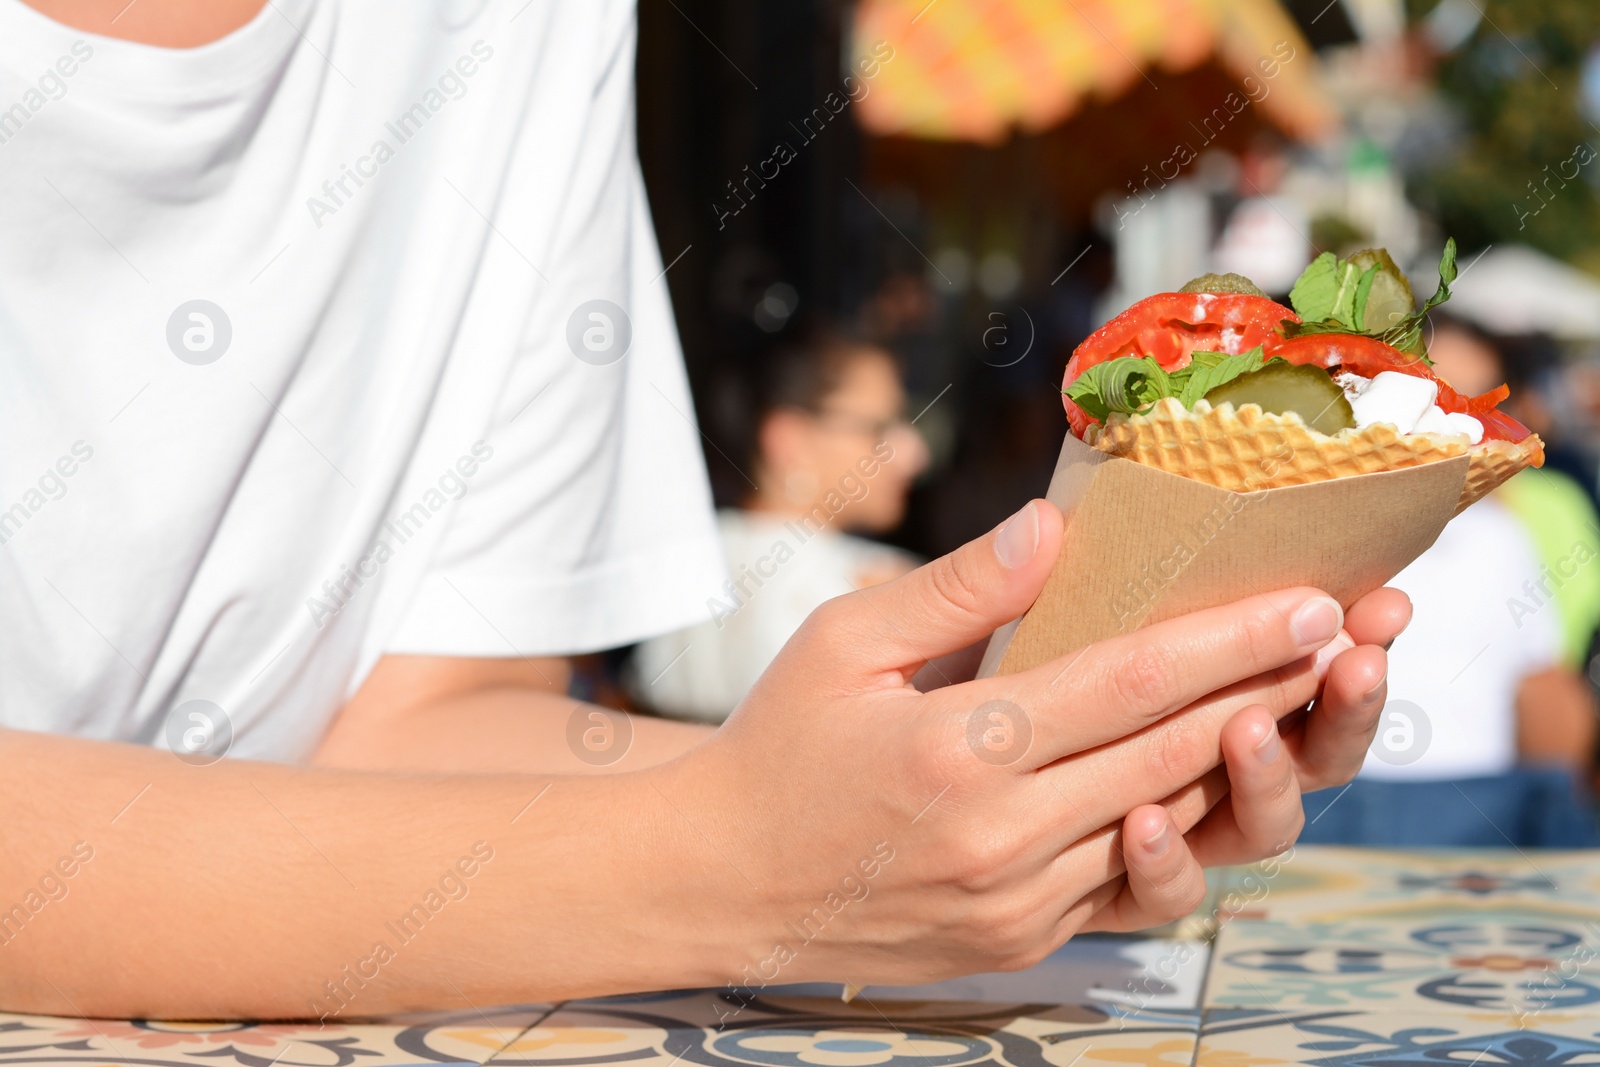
342,402
829,451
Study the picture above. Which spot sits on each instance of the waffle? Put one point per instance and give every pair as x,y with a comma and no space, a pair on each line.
1247,449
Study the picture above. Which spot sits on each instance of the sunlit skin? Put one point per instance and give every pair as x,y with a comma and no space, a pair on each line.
242,889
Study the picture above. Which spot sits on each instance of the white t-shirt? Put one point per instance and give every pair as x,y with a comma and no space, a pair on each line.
1475,634
377,436
780,570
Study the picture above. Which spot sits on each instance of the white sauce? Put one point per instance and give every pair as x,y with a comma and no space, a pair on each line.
1405,402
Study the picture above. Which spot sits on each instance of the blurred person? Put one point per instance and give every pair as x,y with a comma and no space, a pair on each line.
830,455
1551,501
1490,731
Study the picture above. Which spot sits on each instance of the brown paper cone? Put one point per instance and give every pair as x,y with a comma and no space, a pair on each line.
1143,545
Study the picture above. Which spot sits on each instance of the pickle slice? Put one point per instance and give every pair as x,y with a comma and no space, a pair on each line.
1222,283
1390,299
1281,387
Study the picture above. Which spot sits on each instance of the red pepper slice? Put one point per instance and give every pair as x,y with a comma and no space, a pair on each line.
1498,426
1369,357
1169,327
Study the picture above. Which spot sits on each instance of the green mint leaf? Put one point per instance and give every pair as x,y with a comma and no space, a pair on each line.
1447,274
1358,306
1127,384
1345,300
1334,290
1085,392
1317,289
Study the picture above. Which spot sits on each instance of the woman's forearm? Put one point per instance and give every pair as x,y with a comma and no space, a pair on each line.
256,890
486,716
497,731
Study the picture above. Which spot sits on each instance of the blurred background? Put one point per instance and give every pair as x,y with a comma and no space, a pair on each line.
888,223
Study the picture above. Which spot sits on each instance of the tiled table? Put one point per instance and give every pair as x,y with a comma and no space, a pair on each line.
1333,957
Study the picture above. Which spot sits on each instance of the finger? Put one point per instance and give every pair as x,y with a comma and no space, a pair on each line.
1187,807
1125,683
1164,881
1190,805
945,605
1262,815
1084,915
1338,731
1157,762
1098,856
1379,617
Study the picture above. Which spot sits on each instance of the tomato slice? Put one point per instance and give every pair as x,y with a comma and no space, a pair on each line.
1169,327
1366,356
1369,357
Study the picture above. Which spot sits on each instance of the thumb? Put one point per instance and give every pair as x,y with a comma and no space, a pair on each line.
953,601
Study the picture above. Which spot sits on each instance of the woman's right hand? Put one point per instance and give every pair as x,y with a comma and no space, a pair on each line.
1002,801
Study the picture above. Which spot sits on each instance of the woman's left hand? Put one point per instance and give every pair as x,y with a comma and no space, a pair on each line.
1250,808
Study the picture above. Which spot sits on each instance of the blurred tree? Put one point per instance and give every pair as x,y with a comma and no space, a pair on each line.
1529,169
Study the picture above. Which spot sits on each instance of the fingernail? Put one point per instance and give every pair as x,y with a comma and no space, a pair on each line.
1019,539
1373,695
1317,621
1323,662
1161,840
1268,748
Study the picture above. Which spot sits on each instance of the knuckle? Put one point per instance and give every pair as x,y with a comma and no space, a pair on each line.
955,582
1010,930
1176,753
1288,689
1344,773
833,628
1145,678
1185,897
1027,957
1284,793
829,618
975,862
1265,841
1261,638
1297,822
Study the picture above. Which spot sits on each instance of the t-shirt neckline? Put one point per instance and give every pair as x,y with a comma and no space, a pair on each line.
35,42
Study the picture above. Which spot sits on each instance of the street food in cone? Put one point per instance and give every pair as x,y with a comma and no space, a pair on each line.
1221,384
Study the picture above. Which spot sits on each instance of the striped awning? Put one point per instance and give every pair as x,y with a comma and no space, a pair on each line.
975,70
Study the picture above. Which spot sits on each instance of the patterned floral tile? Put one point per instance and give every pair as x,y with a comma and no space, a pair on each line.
1353,1039
1506,960
715,1029
456,1037
1325,882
